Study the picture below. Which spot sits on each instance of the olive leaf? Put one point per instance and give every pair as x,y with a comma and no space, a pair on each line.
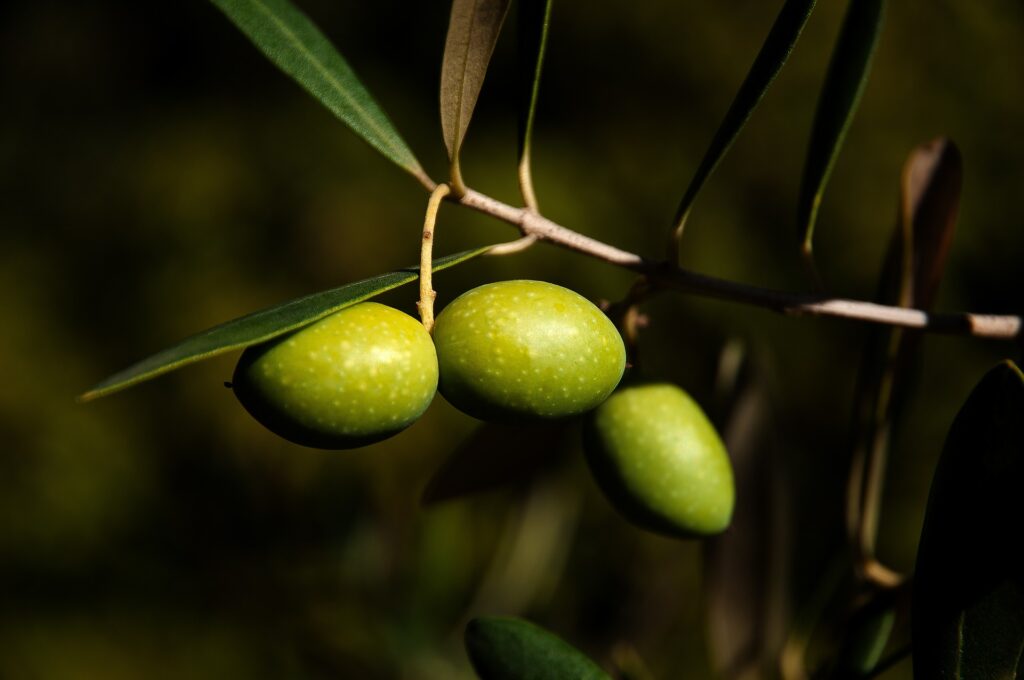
916,259
263,325
504,648
844,84
769,61
472,34
968,606
533,21
497,454
290,40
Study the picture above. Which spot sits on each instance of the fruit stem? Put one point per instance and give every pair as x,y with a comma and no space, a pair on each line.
626,314
427,293
512,247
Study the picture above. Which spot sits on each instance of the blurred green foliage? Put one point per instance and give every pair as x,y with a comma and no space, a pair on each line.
158,176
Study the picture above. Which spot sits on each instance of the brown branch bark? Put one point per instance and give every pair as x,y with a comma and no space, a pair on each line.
531,224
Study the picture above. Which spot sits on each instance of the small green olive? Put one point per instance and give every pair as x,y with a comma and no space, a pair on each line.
515,350
660,461
351,379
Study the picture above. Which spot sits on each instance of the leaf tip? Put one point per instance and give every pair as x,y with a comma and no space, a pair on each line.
94,393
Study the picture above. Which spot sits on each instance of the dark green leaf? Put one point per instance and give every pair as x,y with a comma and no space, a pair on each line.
769,61
844,83
512,649
968,607
472,34
263,325
297,47
534,18
494,455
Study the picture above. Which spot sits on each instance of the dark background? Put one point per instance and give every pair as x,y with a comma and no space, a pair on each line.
158,176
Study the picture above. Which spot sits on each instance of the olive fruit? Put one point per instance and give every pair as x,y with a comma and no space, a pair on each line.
516,350
350,379
660,461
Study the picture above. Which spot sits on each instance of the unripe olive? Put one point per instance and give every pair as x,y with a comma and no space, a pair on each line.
351,379
516,350
660,461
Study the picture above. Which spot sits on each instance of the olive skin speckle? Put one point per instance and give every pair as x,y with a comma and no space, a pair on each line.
660,461
353,378
521,350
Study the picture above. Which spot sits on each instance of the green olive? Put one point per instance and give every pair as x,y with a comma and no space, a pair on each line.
660,461
350,379
517,350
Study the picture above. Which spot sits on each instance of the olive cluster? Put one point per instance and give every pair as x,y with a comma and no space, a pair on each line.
509,351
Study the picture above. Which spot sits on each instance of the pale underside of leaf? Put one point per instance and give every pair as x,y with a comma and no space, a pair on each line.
264,325
290,40
473,31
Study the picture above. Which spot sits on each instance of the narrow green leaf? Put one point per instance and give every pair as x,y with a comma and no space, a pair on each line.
844,84
769,61
968,606
503,648
290,40
495,455
263,325
472,34
534,19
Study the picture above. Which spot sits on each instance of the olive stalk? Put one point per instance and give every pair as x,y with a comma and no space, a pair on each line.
626,315
427,292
